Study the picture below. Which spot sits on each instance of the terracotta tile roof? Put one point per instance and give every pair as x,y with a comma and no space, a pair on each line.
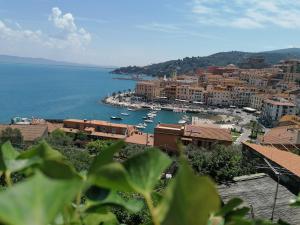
100,123
287,160
290,118
30,133
140,139
96,134
282,135
206,132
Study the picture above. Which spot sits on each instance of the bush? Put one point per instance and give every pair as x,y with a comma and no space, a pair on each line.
12,135
59,138
222,163
95,147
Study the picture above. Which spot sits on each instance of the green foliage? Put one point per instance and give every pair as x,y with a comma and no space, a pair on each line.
111,192
95,147
59,138
187,194
12,135
222,163
36,201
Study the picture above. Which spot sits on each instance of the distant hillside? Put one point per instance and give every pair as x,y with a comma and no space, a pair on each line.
190,64
17,59
28,60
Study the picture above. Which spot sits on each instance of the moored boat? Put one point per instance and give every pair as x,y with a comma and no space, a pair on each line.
116,118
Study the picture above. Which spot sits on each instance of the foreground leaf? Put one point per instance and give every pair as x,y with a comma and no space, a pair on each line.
43,151
145,169
36,201
189,200
114,199
112,176
106,156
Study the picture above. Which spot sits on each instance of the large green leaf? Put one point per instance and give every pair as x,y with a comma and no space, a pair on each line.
43,151
111,176
36,201
114,199
145,169
189,200
230,206
106,156
58,169
9,161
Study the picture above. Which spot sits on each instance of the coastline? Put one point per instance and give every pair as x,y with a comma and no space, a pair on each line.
118,101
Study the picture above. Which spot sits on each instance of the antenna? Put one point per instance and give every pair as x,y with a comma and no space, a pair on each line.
276,192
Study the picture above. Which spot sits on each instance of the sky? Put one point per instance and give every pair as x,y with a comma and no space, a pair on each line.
142,32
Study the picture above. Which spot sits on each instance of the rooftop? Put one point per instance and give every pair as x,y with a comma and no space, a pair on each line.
291,118
282,135
207,132
287,160
279,102
30,133
258,192
141,139
99,123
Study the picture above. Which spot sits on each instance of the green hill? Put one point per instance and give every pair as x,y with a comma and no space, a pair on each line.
190,64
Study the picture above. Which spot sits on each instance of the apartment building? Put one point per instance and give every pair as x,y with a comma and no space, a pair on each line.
256,100
148,89
275,108
219,98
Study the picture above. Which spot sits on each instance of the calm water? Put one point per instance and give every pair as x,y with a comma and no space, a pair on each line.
59,92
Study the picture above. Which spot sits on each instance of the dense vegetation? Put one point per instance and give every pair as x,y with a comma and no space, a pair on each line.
53,192
190,64
109,183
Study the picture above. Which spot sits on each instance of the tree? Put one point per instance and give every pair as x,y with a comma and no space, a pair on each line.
12,135
95,147
222,163
59,138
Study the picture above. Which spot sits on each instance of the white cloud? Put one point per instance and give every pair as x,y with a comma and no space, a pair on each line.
71,39
65,22
247,13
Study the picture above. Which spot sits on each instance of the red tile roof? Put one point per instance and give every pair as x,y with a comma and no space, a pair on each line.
207,132
287,160
282,135
30,133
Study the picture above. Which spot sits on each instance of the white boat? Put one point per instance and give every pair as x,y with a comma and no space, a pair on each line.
116,118
141,125
124,114
149,121
156,108
131,109
182,121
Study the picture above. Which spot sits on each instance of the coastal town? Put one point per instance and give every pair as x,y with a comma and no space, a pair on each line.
256,110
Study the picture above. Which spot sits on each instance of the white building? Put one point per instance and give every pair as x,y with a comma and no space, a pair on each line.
273,109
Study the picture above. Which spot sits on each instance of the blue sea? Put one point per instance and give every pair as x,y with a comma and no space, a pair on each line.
60,92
